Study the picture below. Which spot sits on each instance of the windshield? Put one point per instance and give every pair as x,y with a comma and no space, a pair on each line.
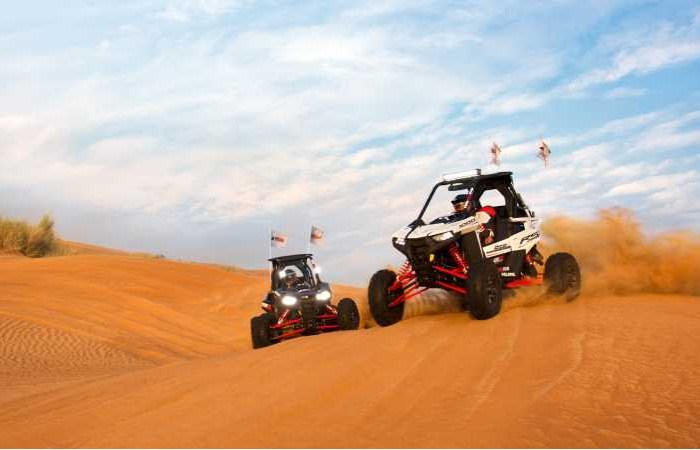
441,209
300,275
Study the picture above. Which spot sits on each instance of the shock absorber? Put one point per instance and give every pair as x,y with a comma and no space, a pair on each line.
404,277
457,257
283,317
405,270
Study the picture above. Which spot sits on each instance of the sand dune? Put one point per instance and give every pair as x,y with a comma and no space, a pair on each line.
115,350
581,374
79,316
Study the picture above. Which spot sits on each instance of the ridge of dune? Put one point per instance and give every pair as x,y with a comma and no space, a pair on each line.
83,248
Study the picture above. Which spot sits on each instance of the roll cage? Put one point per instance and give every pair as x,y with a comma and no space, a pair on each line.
515,206
303,262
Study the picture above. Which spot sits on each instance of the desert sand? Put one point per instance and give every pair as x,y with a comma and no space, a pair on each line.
118,350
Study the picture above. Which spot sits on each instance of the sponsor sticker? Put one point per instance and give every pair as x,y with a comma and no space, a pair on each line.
530,237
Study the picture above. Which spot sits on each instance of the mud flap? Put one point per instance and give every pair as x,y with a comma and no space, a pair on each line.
514,262
472,247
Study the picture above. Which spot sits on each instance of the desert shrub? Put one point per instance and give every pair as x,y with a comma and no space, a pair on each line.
17,236
42,240
14,235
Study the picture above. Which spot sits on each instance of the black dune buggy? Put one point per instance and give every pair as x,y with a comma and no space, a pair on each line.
447,251
299,303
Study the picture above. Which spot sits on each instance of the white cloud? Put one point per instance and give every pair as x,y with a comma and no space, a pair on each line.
669,134
653,184
624,92
627,124
174,14
185,10
668,45
514,103
660,140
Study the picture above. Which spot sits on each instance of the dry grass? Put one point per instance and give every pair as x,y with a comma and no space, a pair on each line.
34,241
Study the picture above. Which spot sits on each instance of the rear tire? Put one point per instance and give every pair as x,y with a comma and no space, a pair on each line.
348,315
260,331
484,295
562,275
379,299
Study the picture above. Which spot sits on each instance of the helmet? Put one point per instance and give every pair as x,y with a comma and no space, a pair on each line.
461,202
290,276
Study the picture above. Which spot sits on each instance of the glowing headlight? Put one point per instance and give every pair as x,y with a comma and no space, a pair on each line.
443,236
289,300
323,295
281,274
317,270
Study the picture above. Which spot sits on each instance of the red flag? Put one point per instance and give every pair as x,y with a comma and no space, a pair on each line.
277,239
544,153
317,235
495,154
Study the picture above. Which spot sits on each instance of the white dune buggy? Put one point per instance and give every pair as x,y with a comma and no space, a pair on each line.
447,252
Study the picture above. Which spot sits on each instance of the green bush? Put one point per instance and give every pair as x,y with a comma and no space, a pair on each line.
17,236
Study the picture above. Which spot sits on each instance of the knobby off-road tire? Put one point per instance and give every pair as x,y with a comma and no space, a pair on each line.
484,295
348,315
379,299
260,331
562,275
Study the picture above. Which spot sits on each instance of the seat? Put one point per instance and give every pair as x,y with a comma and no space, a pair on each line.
501,224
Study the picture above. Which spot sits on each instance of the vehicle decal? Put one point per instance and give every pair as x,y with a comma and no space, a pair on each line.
470,221
529,238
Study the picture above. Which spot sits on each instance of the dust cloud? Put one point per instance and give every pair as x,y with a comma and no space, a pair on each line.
617,257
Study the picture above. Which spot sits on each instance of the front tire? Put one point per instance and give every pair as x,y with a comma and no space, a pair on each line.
348,315
260,330
379,299
562,275
484,295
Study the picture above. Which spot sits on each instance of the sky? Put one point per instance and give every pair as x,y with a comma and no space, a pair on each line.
191,128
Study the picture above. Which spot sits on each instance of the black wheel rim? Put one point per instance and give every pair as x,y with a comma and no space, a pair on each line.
571,279
491,290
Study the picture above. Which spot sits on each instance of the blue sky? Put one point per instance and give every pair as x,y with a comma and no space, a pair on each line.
192,127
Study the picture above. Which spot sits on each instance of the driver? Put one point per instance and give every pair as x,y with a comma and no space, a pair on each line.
485,217
461,206
290,278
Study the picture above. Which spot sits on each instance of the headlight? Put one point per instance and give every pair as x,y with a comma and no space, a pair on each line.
323,296
443,236
281,274
317,270
289,300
